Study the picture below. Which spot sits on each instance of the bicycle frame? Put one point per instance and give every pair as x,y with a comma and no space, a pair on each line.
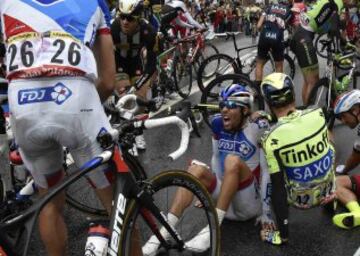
127,185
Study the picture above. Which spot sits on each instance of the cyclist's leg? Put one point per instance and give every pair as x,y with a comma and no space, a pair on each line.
307,59
263,49
278,54
348,193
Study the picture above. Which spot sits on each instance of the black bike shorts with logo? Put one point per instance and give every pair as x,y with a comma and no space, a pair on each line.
271,39
303,47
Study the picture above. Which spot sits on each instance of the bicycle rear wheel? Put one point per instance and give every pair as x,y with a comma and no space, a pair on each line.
210,98
183,77
81,195
193,220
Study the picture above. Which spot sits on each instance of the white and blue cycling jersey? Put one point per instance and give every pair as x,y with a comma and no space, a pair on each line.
243,143
52,37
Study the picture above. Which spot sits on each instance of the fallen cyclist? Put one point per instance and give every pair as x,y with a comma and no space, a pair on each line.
233,179
299,154
347,109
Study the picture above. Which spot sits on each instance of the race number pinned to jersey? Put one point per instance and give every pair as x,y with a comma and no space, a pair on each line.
49,54
47,2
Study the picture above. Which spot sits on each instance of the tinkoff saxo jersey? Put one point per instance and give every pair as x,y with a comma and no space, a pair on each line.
52,37
321,16
299,146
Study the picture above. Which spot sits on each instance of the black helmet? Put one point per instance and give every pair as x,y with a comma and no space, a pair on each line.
278,90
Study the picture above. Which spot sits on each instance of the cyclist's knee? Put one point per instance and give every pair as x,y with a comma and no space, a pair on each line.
203,173
343,181
234,165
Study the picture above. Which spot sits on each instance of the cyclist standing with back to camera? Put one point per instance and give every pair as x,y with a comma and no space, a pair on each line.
135,43
321,17
299,154
272,22
60,67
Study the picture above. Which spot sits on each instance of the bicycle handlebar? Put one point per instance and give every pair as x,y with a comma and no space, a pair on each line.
127,127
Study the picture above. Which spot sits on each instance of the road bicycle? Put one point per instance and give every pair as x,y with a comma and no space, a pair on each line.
221,64
139,201
175,65
326,90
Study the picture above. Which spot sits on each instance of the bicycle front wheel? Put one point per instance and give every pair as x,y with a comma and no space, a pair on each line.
139,223
210,98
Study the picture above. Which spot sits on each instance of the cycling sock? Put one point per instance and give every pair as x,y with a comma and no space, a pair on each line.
172,219
353,206
221,215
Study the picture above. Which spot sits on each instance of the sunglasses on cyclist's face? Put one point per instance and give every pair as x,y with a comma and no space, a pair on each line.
228,104
129,18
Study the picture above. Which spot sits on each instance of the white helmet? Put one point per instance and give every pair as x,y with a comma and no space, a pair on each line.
131,7
346,100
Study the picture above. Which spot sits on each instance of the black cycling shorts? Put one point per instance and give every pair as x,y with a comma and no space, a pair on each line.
131,66
271,39
303,47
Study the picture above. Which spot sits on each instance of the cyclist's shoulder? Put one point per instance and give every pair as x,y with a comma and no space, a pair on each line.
146,28
217,124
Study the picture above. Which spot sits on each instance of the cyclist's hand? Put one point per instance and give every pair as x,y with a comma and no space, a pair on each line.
257,115
266,221
272,237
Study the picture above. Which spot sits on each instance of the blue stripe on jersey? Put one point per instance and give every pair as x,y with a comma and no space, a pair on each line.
72,15
105,9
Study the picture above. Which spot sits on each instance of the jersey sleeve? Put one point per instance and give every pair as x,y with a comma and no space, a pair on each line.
268,145
216,126
105,18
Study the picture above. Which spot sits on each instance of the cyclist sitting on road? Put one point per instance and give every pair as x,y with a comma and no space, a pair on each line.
233,179
299,154
131,35
55,95
272,22
347,109
322,17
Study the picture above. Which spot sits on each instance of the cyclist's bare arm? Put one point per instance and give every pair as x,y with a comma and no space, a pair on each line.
104,54
260,22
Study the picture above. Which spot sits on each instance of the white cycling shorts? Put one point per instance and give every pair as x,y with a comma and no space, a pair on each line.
48,114
246,203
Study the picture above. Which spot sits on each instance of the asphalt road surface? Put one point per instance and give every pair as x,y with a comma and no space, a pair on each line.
311,231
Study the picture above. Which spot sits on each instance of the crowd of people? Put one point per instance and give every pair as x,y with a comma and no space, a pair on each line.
292,155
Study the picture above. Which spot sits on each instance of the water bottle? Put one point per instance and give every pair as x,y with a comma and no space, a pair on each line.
97,241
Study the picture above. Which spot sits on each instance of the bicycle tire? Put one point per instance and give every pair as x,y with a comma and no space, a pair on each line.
171,180
207,72
289,66
182,74
81,196
210,96
203,55
322,52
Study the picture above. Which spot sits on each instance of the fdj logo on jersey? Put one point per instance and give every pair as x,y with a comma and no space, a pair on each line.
47,2
58,93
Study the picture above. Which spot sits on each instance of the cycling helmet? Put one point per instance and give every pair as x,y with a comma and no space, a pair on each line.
131,7
345,101
278,90
238,94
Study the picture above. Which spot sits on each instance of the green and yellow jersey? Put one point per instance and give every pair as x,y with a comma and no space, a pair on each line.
299,146
321,15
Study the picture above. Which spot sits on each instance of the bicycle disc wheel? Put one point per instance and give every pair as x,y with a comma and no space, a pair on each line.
193,220
81,195
182,77
213,67
210,98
